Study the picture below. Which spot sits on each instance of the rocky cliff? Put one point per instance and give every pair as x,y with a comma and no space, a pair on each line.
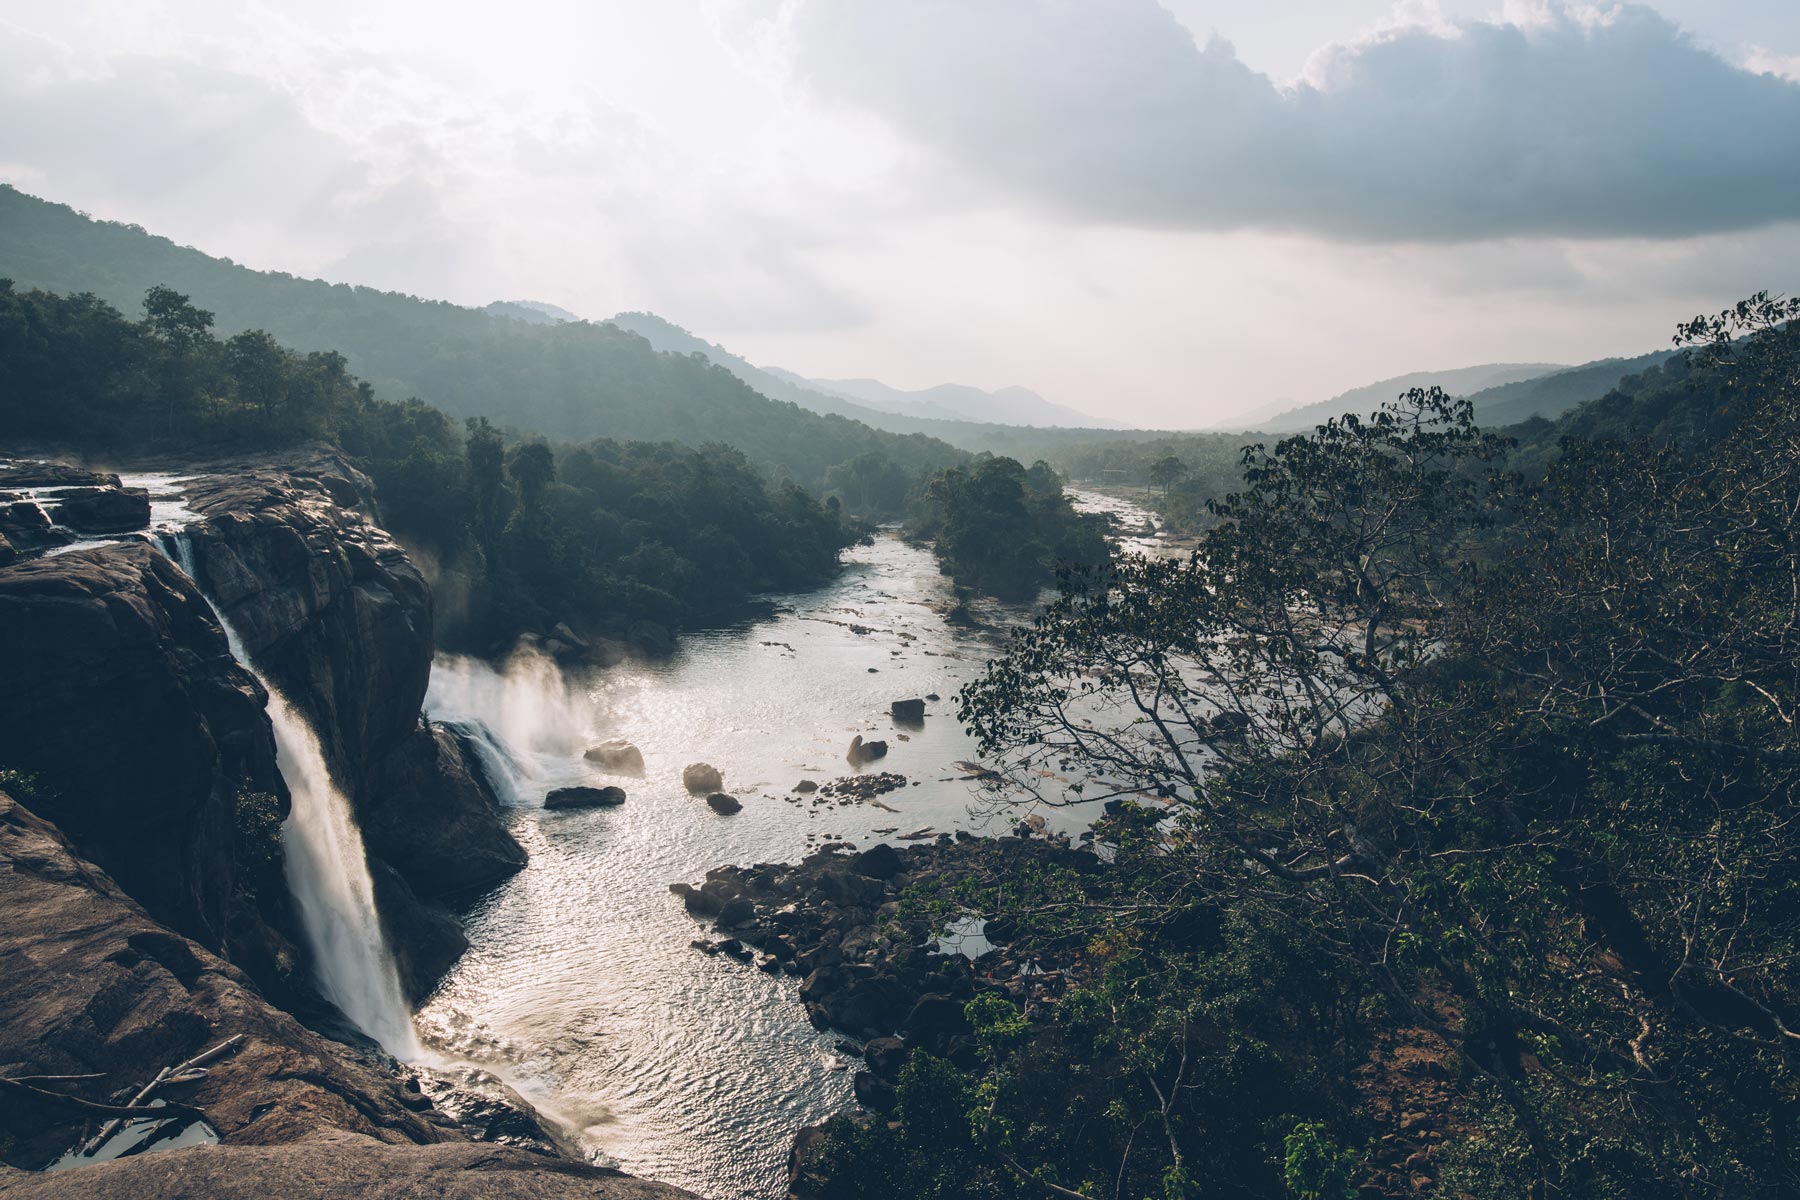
123,701
145,736
334,613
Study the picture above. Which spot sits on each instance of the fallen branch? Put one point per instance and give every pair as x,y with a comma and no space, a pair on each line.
188,1072
127,1112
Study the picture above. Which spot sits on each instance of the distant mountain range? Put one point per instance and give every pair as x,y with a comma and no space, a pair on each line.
945,402
957,402
1502,393
1459,381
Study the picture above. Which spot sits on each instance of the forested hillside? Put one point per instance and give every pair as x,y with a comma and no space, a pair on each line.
605,535
1451,825
567,380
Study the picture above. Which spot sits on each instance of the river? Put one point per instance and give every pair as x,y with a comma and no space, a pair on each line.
580,987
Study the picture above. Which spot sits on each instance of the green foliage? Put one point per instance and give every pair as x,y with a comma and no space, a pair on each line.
1005,530
257,827
1433,753
599,536
26,788
1315,1167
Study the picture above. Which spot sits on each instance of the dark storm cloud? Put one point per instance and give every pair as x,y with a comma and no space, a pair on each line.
1582,126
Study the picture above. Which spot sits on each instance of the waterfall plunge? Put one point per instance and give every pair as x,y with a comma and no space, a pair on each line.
327,868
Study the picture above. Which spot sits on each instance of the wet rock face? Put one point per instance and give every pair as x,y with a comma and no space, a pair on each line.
328,605
122,699
434,819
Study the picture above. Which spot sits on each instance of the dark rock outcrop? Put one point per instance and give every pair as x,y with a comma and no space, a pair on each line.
103,510
585,797
724,804
123,700
431,816
53,474
425,938
908,712
27,527
329,607
334,613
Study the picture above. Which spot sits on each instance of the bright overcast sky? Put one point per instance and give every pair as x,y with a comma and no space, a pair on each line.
1170,214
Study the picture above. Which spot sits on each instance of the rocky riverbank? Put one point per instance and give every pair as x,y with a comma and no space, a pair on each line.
860,930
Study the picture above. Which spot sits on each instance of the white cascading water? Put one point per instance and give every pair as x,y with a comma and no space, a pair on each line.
327,868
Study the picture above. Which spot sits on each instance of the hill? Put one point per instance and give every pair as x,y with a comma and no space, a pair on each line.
1551,396
568,379
1461,381
959,402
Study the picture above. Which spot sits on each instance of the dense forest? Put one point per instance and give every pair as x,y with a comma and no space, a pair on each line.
571,380
606,536
1003,529
1447,796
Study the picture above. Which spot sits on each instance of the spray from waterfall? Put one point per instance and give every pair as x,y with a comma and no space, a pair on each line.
327,868
527,724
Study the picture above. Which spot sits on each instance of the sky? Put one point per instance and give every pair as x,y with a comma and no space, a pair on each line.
1173,214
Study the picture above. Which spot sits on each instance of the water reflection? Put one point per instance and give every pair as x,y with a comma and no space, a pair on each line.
673,1065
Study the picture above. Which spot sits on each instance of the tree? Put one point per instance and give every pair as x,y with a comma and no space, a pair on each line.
185,334
486,455
1166,472
1551,768
533,468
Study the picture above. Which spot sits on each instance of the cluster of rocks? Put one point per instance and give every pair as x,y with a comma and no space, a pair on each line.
47,504
852,789
868,970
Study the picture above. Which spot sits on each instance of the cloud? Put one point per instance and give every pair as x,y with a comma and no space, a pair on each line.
1551,121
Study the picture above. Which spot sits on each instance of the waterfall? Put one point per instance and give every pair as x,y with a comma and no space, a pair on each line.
327,868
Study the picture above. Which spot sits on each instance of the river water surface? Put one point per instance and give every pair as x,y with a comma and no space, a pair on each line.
580,987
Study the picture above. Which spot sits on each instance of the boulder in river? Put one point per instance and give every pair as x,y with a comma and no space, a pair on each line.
585,797
104,510
806,785
723,804
701,778
865,752
908,712
618,756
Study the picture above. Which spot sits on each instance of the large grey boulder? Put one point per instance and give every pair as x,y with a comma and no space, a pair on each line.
701,778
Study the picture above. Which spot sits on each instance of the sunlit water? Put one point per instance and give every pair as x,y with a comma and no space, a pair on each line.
580,985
